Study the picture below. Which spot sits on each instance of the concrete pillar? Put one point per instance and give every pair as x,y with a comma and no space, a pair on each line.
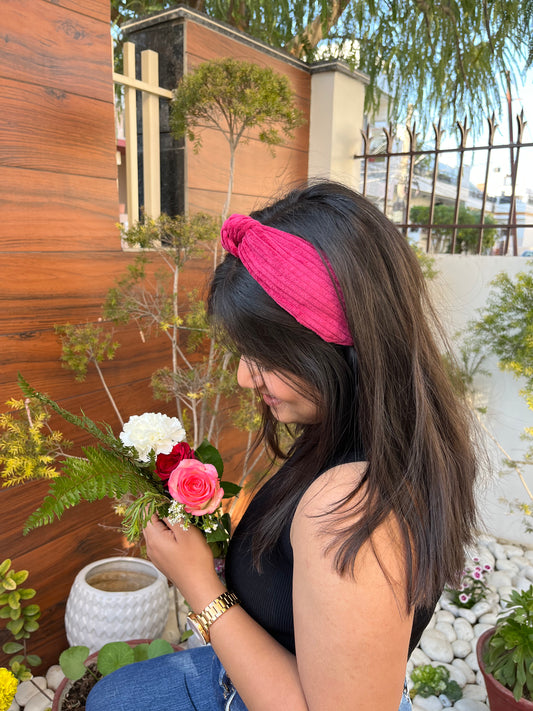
337,119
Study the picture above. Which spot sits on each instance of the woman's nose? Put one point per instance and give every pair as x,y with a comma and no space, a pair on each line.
246,374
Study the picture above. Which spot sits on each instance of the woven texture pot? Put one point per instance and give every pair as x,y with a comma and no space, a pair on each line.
500,698
116,599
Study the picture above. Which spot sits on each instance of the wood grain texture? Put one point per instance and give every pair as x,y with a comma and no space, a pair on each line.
56,131
56,47
51,212
204,44
91,8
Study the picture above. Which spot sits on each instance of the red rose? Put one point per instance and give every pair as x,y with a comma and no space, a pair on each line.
166,463
196,486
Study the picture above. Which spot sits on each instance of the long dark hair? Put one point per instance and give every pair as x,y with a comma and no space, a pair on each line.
388,399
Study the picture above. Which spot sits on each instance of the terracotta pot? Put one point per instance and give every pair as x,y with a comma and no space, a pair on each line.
65,685
500,698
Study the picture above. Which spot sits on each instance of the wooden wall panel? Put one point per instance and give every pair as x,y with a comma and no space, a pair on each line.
48,116
45,212
64,49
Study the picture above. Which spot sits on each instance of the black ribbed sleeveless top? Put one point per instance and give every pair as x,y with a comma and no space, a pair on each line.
267,596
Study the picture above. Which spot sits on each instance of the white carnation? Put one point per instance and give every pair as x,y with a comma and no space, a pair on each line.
152,431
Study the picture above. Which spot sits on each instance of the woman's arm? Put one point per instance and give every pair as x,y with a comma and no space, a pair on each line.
351,634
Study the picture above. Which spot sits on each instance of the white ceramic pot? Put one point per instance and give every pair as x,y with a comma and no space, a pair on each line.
116,599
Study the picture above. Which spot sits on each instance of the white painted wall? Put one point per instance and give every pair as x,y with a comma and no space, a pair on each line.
461,287
336,121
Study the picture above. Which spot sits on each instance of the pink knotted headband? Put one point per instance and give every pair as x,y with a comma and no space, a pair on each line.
293,273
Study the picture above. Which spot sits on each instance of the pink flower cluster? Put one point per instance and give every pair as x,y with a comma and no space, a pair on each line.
473,588
190,482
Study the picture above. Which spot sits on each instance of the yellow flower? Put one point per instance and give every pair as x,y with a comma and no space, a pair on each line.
8,688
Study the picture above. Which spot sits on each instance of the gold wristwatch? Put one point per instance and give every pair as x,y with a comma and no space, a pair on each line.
199,624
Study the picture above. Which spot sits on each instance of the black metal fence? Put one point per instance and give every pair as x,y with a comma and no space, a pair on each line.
436,204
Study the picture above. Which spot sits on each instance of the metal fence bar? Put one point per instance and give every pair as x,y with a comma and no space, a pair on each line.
411,178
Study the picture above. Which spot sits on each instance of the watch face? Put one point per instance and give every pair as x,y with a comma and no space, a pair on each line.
196,630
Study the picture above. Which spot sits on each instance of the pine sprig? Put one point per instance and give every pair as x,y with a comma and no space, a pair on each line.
101,473
104,436
139,513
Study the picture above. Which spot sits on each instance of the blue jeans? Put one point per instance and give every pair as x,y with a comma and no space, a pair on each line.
192,680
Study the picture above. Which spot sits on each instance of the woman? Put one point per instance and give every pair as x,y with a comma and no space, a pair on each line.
339,560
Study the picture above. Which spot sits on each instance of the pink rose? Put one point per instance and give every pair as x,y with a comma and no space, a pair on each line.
196,486
165,463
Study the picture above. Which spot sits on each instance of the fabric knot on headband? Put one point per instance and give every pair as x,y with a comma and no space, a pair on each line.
293,273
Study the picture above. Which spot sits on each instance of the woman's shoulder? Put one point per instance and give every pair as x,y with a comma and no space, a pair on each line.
331,488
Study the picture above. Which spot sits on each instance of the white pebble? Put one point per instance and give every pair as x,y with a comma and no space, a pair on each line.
445,616
54,677
445,701
481,608
436,646
447,604
496,549
431,703
468,615
480,678
461,648
521,583
14,706
447,630
463,629
519,561
528,553
502,564
473,691
419,658
469,674
472,662
497,579
470,705
528,571
505,592
27,689
40,701
489,619
510,551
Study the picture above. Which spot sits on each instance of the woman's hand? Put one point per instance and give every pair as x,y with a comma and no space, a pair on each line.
185,558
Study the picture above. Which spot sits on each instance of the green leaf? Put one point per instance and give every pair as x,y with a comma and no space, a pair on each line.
14,600
159,647
30,625
27,593
4,566
12,647
20,577
208,454
230,489
113,656
15,626
32,610
72,662
141,652
33,660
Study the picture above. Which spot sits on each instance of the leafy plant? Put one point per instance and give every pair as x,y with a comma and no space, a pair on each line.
28,446
509,653
429,680
22,619
472,588
234,97
467,238
110,657
505,328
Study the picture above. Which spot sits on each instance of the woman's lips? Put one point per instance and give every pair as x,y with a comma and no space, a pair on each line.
270,401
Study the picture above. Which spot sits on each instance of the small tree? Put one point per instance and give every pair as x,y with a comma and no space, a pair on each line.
234,97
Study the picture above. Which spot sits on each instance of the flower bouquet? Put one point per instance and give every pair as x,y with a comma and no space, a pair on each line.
148,468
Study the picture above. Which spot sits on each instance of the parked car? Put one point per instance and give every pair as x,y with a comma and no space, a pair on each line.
527,253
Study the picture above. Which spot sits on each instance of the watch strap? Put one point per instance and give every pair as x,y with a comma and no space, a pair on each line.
213,611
